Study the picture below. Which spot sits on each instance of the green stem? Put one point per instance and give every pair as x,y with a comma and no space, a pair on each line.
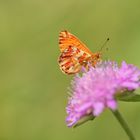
123,124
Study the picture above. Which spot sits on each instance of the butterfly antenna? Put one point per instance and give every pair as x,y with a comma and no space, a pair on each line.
104,44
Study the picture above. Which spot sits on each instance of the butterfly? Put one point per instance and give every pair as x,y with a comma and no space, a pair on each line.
74,54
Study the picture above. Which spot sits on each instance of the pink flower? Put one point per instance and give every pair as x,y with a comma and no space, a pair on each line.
95,90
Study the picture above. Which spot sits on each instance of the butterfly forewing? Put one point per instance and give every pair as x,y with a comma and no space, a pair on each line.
67,39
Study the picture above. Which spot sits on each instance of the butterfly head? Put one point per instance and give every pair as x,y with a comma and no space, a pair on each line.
95,58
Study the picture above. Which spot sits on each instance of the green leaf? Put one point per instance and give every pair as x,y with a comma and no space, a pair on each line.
129,96
84,119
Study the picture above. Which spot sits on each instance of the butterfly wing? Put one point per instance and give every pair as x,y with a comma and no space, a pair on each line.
74,54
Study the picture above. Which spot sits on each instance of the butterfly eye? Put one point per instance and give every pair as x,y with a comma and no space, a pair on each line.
98,56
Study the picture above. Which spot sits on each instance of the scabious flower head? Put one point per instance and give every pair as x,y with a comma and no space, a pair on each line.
95,90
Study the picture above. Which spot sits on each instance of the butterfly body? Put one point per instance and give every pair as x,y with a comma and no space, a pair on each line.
74,54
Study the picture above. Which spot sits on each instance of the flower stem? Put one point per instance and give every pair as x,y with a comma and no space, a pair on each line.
123,124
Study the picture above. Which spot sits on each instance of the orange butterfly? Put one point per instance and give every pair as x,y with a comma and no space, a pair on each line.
74,54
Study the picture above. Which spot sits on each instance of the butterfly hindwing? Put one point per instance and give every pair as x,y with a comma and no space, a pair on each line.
72,59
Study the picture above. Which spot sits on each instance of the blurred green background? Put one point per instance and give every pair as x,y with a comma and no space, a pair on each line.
33,91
